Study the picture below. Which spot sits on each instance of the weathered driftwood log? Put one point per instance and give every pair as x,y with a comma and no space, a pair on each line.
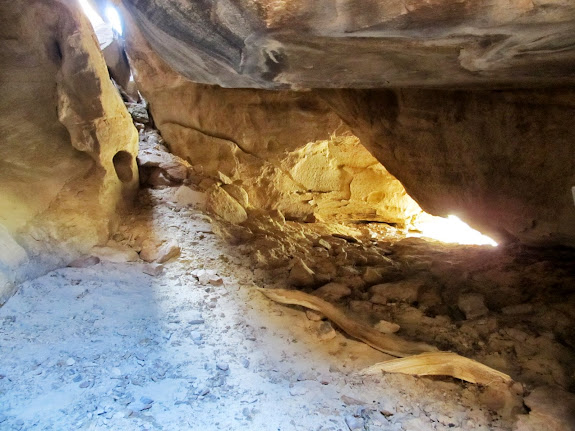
441,364
415,358
387,343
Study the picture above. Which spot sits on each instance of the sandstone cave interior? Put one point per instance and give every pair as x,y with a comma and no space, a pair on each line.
287,215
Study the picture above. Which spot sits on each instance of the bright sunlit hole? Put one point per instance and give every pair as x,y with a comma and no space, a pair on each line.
451,230
114,18
92,15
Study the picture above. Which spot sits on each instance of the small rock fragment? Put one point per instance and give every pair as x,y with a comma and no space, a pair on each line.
84,262
313,315
145,403
350,401
386,327
216,280
224,178
299,389
196,321
332,291
153,269
472,305
146,400
159,252
354,423
348,238
114,252
138,112
372,275
300,274
175,171
238,193
208,276
197,338
158,177
325,331
185,196
404,291
222,366
168,251
222,204
159,167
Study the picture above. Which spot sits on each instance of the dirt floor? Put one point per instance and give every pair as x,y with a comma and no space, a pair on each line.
111,347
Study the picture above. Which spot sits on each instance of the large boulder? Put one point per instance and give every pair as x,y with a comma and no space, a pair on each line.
286,150
498,152
68,146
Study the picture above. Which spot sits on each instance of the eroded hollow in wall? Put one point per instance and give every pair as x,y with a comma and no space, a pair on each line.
123,165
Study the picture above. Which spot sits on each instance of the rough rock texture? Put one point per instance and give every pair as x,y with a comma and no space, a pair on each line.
283,150
157,166
504,161
307,44
67,144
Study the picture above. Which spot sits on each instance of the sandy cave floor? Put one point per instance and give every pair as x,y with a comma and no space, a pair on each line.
109,347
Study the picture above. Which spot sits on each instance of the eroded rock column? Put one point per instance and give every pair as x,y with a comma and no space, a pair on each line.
68,146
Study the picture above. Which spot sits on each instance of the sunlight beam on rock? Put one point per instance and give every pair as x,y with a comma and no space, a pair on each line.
451,229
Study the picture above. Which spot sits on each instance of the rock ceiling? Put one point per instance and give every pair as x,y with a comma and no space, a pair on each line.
363,43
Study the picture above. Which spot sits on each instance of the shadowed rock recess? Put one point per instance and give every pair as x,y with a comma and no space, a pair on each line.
220,215
504,161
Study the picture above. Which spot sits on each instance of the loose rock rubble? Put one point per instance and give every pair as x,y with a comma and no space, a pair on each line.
114,342
509,308
110,347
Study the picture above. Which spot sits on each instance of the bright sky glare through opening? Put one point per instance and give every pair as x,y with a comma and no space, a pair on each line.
452,230
92,15
114,19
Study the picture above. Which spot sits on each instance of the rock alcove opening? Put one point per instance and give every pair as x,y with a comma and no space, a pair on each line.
123,162
267,268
